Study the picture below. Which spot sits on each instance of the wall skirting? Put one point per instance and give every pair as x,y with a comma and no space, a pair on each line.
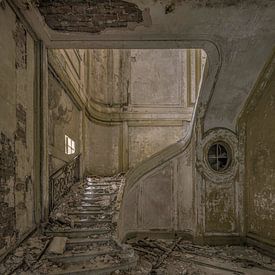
263,245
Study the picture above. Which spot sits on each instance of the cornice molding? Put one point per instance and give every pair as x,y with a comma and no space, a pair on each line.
113,115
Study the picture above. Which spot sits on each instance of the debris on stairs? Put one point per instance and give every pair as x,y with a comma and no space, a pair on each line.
80,239
26,257
80,235
57,245
84,222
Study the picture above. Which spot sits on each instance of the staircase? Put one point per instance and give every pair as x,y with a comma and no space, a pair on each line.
86,222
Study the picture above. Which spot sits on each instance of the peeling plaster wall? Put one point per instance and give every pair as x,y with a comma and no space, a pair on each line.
218,193
260,160
17,177
109,75
67,93
157,78
72,62
103,154
146,141
206,206
93,16
241,31
201,204
152,91
64,119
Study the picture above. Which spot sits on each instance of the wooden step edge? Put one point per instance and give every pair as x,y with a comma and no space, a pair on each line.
79,231
73,241
97,271
80,257
88,212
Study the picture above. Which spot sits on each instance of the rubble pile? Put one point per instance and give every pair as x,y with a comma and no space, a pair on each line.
27,257
178,256
83,228
80,238
85,197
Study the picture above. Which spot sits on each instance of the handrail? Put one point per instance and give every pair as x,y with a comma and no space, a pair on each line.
143,170
62,180
66,163
171,151
146,166
166,154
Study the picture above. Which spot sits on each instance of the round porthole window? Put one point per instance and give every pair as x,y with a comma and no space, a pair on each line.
219,156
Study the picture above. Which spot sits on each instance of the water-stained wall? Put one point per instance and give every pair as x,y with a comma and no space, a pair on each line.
219,191
17,143
258,124
66,76
145,141
103,143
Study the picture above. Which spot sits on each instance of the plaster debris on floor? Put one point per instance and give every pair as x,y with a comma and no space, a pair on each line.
81,237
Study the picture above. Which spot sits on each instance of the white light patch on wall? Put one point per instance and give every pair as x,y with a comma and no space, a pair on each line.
69,145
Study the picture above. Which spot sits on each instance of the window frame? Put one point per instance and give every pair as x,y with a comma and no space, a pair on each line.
70,147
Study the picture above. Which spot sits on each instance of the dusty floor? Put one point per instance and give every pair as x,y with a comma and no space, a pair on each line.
81,239
183,257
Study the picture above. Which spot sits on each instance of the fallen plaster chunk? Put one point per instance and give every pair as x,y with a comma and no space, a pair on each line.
58,245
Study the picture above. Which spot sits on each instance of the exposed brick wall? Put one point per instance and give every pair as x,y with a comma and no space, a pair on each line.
7,173
89,16
7,225
20,37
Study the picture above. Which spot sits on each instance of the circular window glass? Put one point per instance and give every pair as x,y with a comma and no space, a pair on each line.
219,156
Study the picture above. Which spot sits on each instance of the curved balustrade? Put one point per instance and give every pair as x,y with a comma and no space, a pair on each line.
158,196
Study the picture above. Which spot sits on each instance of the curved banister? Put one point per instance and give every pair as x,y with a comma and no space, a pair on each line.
130,215
164,155
154,161
134,178
144,167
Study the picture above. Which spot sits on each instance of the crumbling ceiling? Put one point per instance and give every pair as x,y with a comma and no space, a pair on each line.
89,16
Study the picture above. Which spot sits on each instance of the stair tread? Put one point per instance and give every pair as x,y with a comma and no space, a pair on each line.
90,247
99,194
69,254
87,240
88,212
78,230
100,183
89,208
90,269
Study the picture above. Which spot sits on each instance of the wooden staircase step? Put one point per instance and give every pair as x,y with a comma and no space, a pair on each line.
89,212
90,269
79,241
77,233
69,257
